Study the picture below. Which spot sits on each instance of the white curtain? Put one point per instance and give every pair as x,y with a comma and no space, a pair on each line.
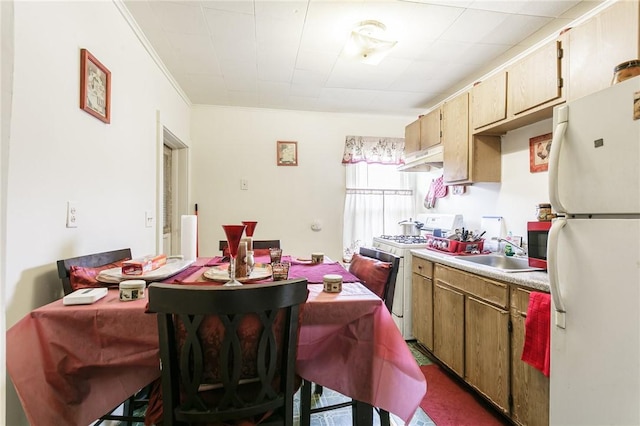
377,198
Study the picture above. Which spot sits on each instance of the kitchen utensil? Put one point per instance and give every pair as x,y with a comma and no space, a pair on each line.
410,227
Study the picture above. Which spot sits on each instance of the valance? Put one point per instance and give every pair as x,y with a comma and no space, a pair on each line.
372,149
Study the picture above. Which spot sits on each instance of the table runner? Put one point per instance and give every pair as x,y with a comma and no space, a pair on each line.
313,273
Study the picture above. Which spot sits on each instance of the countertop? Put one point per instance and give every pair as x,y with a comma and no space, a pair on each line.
535,280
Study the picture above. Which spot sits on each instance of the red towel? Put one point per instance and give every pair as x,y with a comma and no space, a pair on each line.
537,338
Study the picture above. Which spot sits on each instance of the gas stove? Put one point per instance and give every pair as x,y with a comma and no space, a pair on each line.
405,239
401,246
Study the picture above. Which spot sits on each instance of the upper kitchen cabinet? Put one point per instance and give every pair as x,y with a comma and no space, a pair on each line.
422,133
489,100
430,133
524,93
467,158
596,46
412,137
536,80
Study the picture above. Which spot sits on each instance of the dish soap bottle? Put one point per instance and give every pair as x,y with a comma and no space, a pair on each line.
508,249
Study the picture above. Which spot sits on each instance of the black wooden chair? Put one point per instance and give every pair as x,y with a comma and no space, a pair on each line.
228,353
96,260
369,275
88,261
257,244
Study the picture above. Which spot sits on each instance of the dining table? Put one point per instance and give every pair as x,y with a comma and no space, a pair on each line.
72,364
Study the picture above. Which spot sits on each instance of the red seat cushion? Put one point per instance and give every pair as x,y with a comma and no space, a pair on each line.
85,277
372,272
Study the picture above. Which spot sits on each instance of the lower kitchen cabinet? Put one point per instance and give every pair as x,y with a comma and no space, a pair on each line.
477,330
448,327
422,301
486,350
529,387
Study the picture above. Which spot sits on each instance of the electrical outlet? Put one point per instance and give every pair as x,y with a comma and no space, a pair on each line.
244,184
72,214
148,218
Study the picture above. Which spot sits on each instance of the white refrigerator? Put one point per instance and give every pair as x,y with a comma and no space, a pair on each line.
593,257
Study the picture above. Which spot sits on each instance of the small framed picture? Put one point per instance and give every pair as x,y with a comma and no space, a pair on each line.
539,150
287,153
95,87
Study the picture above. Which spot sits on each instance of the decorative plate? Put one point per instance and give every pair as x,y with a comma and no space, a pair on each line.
171,268
221,273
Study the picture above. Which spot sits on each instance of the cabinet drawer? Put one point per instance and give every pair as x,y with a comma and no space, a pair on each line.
490,291
422,267
520,300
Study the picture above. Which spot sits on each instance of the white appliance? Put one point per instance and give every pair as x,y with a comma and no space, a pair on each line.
594,259
401,246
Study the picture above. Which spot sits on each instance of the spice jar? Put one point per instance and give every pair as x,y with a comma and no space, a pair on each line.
543,212
625,71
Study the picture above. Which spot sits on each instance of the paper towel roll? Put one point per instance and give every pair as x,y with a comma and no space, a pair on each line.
189,237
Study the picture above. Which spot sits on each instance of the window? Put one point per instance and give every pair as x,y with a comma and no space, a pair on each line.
378,196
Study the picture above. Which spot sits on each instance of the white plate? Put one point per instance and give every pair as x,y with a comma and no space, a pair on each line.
172,267
221,273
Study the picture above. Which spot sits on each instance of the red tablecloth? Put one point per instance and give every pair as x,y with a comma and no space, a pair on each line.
71,364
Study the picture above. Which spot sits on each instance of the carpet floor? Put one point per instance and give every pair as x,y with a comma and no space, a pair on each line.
448,403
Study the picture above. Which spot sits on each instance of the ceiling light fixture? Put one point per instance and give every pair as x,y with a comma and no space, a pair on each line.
367,43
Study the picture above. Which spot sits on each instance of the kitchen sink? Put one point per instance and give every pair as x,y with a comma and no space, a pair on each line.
503,263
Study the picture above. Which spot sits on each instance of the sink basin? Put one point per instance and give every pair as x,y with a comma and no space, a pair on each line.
503,263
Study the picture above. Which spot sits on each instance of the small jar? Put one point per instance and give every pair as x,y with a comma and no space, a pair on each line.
132,290
250,261
332,283
625,71
543,212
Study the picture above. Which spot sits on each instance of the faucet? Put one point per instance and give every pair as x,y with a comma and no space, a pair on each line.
523,252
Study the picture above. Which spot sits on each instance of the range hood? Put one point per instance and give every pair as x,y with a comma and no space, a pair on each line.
424,161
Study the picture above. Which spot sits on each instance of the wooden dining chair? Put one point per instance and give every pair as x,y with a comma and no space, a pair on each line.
228,353
257,245
91,264
378,271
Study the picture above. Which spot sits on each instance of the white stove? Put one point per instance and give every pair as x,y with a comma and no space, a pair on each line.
401,246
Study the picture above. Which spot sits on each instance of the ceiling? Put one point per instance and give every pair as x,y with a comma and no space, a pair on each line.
287,54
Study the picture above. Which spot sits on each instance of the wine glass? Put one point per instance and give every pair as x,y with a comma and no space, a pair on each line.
251,226
234,233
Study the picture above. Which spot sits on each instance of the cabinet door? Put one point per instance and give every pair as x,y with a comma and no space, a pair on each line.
596,46
487,351
529,387
448,327
489,100
430,129
536,79
455,138
422,305
412,138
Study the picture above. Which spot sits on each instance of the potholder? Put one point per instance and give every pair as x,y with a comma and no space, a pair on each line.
440,189
430,199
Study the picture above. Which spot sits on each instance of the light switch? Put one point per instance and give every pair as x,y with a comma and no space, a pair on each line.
244,184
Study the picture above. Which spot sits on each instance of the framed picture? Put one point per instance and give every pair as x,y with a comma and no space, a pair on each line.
287,153
95,87
539,149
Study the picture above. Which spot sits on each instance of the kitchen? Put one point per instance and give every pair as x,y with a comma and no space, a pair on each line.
35,206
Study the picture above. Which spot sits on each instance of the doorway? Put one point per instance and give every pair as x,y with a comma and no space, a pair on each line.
174,200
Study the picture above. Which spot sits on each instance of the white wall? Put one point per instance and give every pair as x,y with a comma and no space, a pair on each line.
239,143
58,152
514,198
